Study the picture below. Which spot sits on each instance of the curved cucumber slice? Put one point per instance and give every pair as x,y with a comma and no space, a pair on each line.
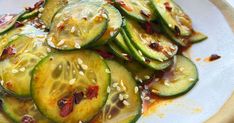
178,80
7,21
20,110
114,25
29,14
154,64
118,52
155,46
50,8
79,76
137,9
119,40
77,25
197,37
123,104
173,16
18,59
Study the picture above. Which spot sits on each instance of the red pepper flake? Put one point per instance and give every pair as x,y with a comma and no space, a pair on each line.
105,54
149,29
92,92
124,5
167,6
78,96
66,105
177,30
37,5
7,52
155,46
146,14
18,24
28,119
214,57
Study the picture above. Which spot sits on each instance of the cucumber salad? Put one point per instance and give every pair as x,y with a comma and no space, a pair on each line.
93,61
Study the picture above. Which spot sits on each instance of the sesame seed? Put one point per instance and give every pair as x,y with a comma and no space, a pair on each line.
126,103
170,25
73,29
48,50
108,71
81,73
147,98
85,67
115,84
136,77
74,71
191,79
41,9
136,89
60,66
166,82
181,69
2,82
140,80
140,52
72,81
126,96
43,27
121,97
77,45
22,69
60,43
50,42
108,89
80,61
118,88
147,77
104,15
39,15
26,51
94,81
109,116
80,122
60,24
14,71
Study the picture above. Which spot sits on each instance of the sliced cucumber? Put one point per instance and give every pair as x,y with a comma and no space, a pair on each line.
18,59
155,46
114,25
28,15
197,37
118,52
19,110
77,25
8,21
123,104
137,9
50,8
4,118
154,64
140,72
119,40
173,16
63,74
178,80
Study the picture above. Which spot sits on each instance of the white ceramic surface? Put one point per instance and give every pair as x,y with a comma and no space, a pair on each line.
216,79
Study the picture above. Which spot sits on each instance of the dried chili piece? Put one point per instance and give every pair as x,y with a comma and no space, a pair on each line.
92,92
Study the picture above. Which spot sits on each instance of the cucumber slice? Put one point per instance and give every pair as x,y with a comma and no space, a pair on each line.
4,118
118,52
18,59
138,9
154,64
19,110
173,16
140,72
119,40
155,46
122,93
77,25
197,37
178,80
50,8
28,15
8,21
66,74
114,25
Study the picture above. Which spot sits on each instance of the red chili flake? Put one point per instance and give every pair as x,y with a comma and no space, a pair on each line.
147,60
155,46
214,57
149,29
177,30
78,96
105,54
7,52
92,92
167,6
18,24
146,14
66,106
28,119
36,6
124,5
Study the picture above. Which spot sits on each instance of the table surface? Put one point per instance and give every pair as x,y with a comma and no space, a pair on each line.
226,113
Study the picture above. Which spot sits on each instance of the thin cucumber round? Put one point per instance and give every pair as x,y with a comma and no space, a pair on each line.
197,37
114,25
8,21
50,8
77,25
140,10
18,110
137,54
178,80
124,103
70,86
173,16
155,46
118,52
17,61
28,15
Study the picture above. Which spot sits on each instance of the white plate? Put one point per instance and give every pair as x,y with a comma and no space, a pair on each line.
216,79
